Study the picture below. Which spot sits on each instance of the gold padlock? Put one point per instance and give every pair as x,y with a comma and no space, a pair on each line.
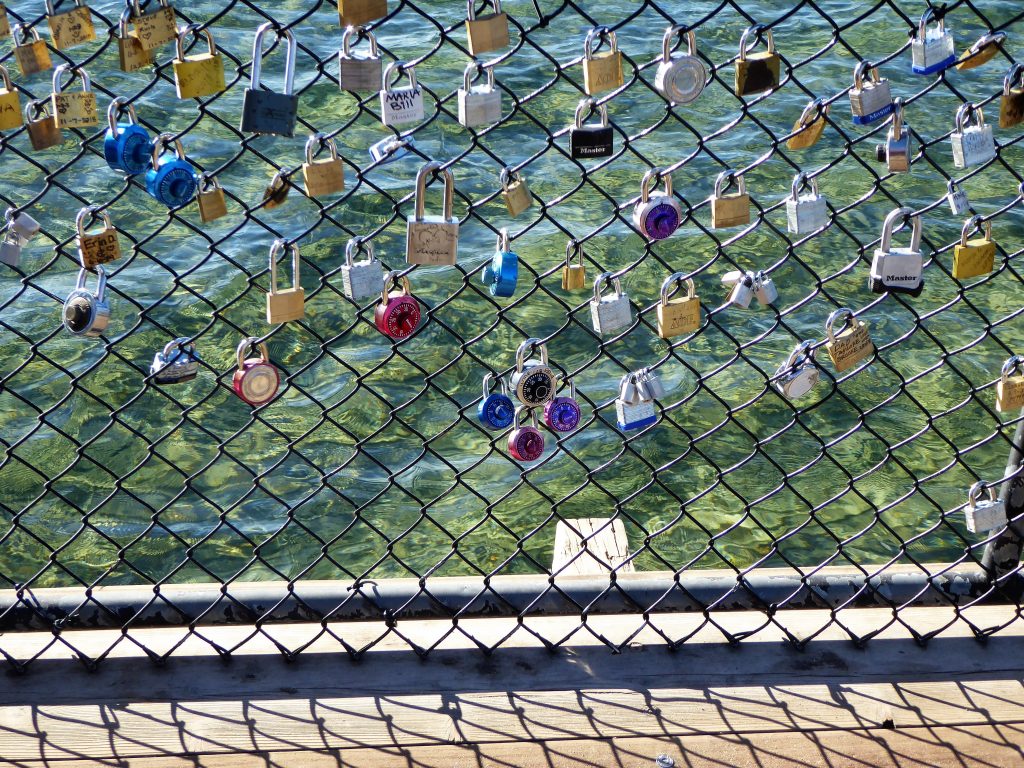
972,258
31,54
130,53
574,276
678,316
987,46
733,209
74,109
809,127
10,103
1010,389
43,132
155,28
202,74
5,25
322,177
353,13
212,202
1011,105
289,304
515,192
95,248
601,71
759,72
852,344
276,192
488,32
71,27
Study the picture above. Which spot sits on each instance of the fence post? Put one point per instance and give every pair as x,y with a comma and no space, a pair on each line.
1002,555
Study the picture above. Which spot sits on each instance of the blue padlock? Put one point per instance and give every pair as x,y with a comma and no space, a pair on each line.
501,274
172,181
496,409
126,146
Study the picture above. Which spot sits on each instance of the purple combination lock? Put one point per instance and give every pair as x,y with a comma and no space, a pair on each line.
659,215
563,414
525,443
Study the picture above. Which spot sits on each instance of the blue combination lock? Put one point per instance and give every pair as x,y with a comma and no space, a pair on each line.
501,274
126,146
496,409
173,180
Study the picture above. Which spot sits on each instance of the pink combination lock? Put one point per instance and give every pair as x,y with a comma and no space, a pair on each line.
525,443
256,381
563,414
398,314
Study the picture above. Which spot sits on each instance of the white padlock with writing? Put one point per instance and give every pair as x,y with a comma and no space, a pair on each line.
898,269
973,144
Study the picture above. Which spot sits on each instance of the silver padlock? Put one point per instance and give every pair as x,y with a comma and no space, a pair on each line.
808,212
10,248
86,313
933,48
479,105
957,198
680,77
432,239
400,105
871,100
648,384
972,144
176,364
612,313
764,289
742,283
361,280
896,150
392,148
983,515
533,381
633,412
22,225
799,374
360,74
898,269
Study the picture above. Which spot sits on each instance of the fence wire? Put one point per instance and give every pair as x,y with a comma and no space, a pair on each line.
371,464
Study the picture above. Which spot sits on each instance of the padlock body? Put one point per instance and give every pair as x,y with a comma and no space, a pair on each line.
496,411
401,105
85,314
516,195
534,385
354,13
362,279
269,112
591,141
32,57
974,259
212,205
256,382
286,306
10,252
432,240
399,317
933,54
730,210
757,73
984,516
173,182
503,274
75,109
632,416
766,292
72,27
679,316
25,227
98,247
958,202
852,345
871,102
44,133
969,60
809,136
574,277
5,24
360,75
1011,108
974,146
681,79
741,294
130,150
198,76
180,367
1010,393
897,271
479,106
156,28
562,414
526,444
324,177
390,149
603,72
10,110
798,382
131,54
807,213
897,152
487,32
659,217
611,314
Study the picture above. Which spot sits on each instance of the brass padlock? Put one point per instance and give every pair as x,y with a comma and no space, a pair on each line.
353,13
74,109
515,192
758,72
95,248
972,258
5,25
277,191
488,32
130,53
10,103
322,177
601,71
733,209
678,316
1010,389
289,304
156,28
1011,105
31,53
987,46
432,239
71,27
574,276
43,132
201,74
212,203
810,125
852,344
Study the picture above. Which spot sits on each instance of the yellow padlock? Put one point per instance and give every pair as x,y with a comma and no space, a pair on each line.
71,27
130,53
983,50
289,304
322,177
601,71
10,103
574,276
31,53
355,13
202,74
809,126
678,316
5,25
71,109
155,28
212,202
972,258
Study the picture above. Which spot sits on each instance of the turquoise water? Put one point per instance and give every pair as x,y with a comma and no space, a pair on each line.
359,450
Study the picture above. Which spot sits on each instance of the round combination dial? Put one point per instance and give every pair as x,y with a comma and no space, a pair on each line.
536,386
401,318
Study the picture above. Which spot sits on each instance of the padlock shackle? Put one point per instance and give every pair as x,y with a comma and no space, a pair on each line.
586,106
974,494
802,180
91,212
573,248
847,317
195,30
51,12
859,71
79,71
1014,363
504,242
255,81
160,144
675,280
363,33
952,187
670,34
318,141
756,30
208,180
975,224
394,277
275,250
989,38
25,32
6,77
922,26
40,107
117,105
399,68
507,177
628,391
101,284
896,129
607,277
421,189
356,243
649,180
184,346
122,23
601,34
723,180
247,345
965,112
528,345
138,10
488,378
529,412
1014,76
900,216
471,9
818,106
472,73
802,350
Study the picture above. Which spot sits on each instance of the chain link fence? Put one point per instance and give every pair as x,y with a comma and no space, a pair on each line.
368,487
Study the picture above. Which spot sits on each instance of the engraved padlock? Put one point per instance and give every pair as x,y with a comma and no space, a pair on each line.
592,139
975,257
265,111
632,412
157,27
43,131
562,413
398,313
981,51
1010,389
95,248
356,12
601,71
574,276
210,195
479,105
514,191
257,380
170,180
74,109
957,198
610,313
799,374
525,443
809,126
983,515
432,239
972,144
659,215
322,177
742,284
284,306
680,77
201,74
933,48
758,72
361,279
896,150
496,409
177,363
898,270
86,313
132,55
10,103
392,148
870,100
805,212
486,32
678,316
730,209
30,50
127,147
502,274
533,381
764,289
400,105
360,74
853,342
1011,103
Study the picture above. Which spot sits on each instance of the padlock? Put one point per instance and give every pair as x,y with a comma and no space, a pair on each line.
533,381
648,384
1010,389
127,147
680,77
360,74
933,48
525,443
678,316
809,126
514,191
1011,104
591,140
972,144
10,103
957,198
156,28
392,148
972,258
871,100
798,375
5,24
10,248
563,414
488,32
574,276
43,132
171,181
210,195
759,72
131,54
479,105
277,191
983,50
432,239
400,105
71,27
361,279
289,304
764,289
601,71
322,177
86,313
898,270
257,380
612,313
631,411
95,248
502,274
659,215
177,363
269,112
984,515
31,54
356,12
742,284
853,342
199,75
805,213
496,409
398,313
896,150
23,226
733,209
74,109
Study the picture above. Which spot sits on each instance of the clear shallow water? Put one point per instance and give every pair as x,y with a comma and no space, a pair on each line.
358,451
